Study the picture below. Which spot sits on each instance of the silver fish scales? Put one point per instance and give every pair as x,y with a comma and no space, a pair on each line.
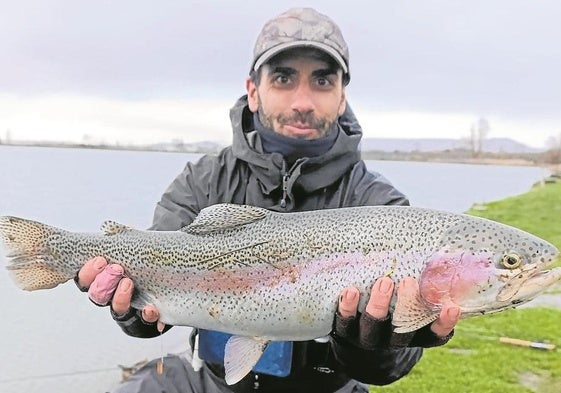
265,276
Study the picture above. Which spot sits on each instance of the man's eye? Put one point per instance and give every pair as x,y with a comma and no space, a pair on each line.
323,82
282,79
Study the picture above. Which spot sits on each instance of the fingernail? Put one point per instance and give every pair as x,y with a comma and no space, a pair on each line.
350,295
116,268
125,285
386,285
99,263
454,313
406,283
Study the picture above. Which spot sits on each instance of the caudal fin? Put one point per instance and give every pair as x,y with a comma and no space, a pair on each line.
31,264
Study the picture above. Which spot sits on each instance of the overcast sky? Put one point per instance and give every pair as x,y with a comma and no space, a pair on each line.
160,70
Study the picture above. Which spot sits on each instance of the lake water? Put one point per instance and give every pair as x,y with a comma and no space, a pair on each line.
57,341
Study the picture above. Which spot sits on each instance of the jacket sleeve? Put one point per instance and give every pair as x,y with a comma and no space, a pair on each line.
185,197
179,205
133,325
374,367
372,189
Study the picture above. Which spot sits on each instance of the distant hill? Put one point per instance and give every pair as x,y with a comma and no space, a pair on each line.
422,145
197,147
403,148
490,145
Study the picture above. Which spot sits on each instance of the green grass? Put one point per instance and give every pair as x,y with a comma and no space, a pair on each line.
538,211
474,360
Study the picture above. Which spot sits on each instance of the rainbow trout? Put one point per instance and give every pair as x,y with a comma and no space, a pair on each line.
265,276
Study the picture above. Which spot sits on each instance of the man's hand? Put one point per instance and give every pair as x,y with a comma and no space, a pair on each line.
373,328
106,284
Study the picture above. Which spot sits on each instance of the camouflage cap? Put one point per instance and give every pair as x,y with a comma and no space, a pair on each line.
299,27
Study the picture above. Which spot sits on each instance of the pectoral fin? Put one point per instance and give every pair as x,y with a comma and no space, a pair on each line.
411,314
240,355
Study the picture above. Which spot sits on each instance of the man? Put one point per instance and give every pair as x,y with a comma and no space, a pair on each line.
295,148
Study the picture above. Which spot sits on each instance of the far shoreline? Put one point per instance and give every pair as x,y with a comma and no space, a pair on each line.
455,156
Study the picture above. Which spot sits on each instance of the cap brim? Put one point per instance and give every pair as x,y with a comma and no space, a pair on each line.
267,55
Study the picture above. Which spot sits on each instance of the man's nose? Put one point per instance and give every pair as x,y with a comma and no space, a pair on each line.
302,99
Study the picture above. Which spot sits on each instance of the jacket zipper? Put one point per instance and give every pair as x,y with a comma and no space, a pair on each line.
285,178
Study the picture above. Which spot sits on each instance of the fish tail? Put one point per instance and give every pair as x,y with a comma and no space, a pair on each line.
32,265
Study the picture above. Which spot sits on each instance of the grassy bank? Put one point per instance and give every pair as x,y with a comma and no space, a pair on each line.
475,360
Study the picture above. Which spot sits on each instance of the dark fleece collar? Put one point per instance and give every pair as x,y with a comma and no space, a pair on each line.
312,173
290,148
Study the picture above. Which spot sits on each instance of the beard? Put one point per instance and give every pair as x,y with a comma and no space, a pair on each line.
323,125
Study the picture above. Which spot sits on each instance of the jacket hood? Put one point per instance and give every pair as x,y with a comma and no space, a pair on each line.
309,173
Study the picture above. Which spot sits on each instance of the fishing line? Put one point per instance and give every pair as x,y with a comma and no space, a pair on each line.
160,365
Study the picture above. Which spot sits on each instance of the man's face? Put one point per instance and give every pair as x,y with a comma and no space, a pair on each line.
298,96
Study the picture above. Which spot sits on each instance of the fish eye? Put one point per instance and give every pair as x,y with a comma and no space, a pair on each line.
511,260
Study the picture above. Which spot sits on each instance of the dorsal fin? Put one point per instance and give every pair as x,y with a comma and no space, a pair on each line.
224,216
114,228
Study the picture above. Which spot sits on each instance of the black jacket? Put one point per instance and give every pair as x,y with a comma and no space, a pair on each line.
243,174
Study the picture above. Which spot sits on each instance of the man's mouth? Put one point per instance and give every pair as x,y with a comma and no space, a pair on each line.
302,126
300,129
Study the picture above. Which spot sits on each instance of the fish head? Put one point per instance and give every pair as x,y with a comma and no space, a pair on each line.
484,266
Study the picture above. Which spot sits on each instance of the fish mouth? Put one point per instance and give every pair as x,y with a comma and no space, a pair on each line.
528,284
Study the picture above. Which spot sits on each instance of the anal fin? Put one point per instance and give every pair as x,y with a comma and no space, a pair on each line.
240,355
